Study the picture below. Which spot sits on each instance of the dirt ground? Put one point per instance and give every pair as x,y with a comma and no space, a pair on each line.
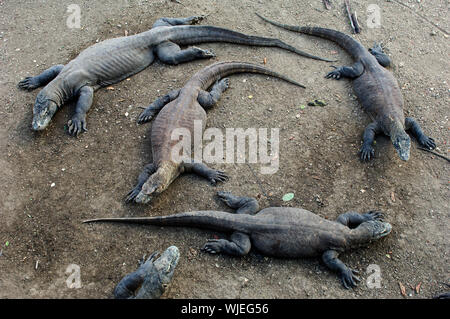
51,181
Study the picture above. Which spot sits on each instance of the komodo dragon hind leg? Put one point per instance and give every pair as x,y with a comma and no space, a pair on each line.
382,58
167,22
354,219
149,169
202,170
31,83
243,205
347,275
208,99
350,72
422,139
154,108
171,53
238,245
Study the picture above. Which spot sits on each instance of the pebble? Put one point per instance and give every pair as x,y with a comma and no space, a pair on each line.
52,185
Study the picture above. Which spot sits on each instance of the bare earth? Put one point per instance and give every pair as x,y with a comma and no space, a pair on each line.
41,230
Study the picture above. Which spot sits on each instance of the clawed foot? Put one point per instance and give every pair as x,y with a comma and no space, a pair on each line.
376,48
203,53
427,142
335,74
367,153
146,116
349,278
213,246
28,84
374,215
217,176
224,84
131,196
76,125
197,19
228,198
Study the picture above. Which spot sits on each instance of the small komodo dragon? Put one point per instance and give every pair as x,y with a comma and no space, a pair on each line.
151,279
114,60
180,110
376,88
279,231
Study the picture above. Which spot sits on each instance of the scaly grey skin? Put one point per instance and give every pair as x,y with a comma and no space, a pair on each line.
181,109
376,88
114,60
279,231
151,279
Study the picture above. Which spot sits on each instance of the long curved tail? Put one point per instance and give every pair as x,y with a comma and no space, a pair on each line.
214,220
201,34
352,46
207,76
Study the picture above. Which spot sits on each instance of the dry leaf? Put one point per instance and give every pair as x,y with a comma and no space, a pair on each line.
110,88
265,60
402,289
417,289
393,196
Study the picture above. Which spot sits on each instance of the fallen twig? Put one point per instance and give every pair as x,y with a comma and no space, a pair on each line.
352,17
355,22
434,153
423,17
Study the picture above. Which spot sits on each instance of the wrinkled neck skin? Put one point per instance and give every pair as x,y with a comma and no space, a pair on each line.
358,237
400,139
367,232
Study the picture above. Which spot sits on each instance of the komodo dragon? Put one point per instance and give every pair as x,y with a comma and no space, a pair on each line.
114,60
151,279
376,88
181,110
279,231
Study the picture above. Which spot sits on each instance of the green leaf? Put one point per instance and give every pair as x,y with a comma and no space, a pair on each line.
303,106
287,197
7,244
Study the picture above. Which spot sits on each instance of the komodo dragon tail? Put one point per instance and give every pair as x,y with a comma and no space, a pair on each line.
202,34
207,76
208,219
352,46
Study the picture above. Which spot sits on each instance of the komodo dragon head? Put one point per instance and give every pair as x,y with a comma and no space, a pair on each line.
370,231
151,279
43,111
402,144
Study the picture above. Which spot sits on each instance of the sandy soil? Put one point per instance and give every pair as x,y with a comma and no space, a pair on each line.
41,230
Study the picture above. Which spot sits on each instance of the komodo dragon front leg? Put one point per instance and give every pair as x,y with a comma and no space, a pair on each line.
78,122
239,243
31,83
330,257
171,53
